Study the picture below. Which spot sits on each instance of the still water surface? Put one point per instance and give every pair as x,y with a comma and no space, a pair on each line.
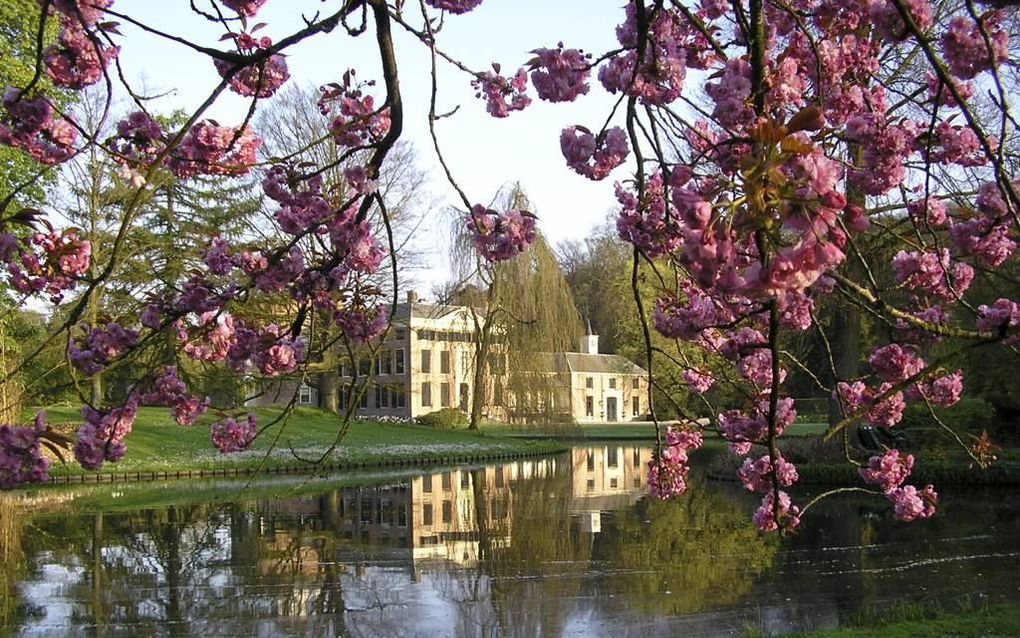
561,546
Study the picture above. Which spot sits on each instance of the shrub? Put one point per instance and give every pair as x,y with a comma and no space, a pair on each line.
449,418
969,415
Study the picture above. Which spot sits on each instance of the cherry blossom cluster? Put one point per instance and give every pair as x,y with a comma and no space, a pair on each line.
92,352
88,12
775,514
271,350
79,58
361,323
35,127
246,8
881,410
358,123
698,381
454,6
211,149
889,23
668,469
966,44
644,219
500,236
21,459
47,263
168,389
659,77
502,94
888,472
101,438
260,79
139,139
560,75
591,156
741,429
756,476
229,435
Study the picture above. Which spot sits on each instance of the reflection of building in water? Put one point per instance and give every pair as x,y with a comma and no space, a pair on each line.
435,515
606,478
435,518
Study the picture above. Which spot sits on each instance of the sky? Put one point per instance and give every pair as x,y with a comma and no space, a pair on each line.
483,152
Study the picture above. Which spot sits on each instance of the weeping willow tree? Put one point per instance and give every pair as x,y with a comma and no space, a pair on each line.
523,314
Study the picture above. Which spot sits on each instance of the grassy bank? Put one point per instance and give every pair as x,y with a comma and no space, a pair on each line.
640,431
157,444
996,620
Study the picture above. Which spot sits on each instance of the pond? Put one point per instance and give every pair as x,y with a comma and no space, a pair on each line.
559,546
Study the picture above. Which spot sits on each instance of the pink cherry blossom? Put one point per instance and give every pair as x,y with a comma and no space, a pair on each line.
895,362
911,504
211,149
101,438
139,139
21,459
502,94
256,80
965,47
229,436
560,75
888,471
454,6
756,476
668,469
244,7
698,381
788,515
933,273
500,236
79,57
87,12
890,25
594,157
361,324
35,127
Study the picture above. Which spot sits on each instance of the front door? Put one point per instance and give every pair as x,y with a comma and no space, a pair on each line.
464,397
612,415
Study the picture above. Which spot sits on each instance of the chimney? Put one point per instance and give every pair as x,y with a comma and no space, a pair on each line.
590,344
412,297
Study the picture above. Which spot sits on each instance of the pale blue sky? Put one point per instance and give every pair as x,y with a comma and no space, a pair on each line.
483,152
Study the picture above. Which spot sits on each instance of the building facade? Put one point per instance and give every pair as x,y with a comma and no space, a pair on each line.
426,363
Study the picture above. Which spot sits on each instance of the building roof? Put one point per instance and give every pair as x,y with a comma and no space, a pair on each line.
600,363
431,311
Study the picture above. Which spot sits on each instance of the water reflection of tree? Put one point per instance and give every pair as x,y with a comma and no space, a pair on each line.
686,555
527,599
12,558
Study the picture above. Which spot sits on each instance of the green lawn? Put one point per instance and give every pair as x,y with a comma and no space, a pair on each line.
998,620
157,444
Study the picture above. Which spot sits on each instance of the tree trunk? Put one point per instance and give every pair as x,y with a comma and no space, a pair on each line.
845,342
329,384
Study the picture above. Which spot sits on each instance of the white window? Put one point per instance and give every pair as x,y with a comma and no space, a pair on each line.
398,361
304,395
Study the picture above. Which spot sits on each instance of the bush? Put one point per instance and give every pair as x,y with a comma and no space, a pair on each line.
448,418
969,415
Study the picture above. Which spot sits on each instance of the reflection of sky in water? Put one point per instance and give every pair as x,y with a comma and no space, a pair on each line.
566,547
